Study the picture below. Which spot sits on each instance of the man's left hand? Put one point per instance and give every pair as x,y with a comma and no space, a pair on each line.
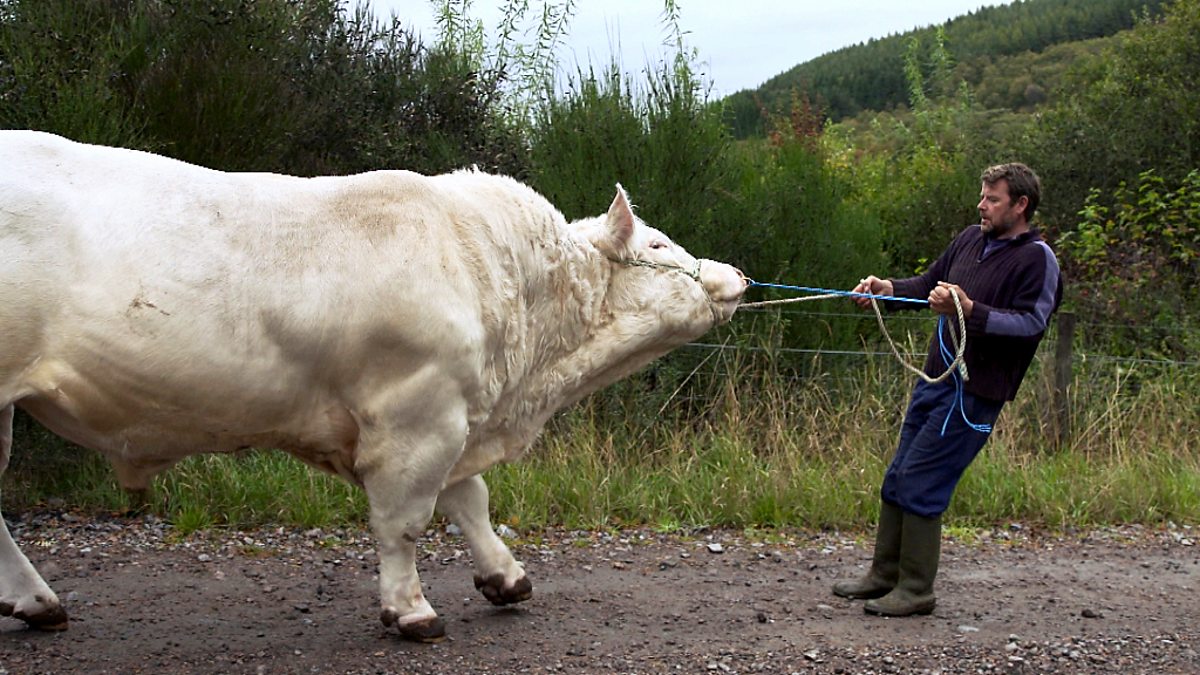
942,302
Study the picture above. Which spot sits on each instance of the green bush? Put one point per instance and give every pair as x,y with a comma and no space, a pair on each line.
918,172
294,86
1133,109
61,65
1137,263
655,138
775,209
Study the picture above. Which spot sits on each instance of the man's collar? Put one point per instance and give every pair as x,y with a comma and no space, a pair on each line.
1031,233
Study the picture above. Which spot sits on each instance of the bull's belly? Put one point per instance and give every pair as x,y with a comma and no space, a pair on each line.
150,431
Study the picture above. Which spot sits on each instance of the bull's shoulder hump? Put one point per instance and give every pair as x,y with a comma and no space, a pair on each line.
374,194
396,182
457,192
493,191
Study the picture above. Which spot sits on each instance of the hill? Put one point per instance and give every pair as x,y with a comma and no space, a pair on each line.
1019,49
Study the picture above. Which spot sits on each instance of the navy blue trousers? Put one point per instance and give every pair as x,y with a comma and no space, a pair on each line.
939,439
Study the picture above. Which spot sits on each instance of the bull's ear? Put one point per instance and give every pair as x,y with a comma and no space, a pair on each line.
618,226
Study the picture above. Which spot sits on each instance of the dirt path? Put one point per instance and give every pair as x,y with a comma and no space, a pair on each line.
1123,600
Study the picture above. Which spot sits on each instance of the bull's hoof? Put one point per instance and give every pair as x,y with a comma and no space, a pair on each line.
428,630
50,619
493,589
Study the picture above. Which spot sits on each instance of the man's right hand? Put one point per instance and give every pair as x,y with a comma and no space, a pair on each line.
872,285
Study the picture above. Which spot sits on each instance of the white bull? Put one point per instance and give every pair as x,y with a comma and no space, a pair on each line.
401,331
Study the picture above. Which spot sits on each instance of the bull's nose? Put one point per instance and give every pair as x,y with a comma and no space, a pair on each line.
723,283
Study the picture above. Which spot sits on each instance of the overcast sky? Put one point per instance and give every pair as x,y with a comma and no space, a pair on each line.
741,43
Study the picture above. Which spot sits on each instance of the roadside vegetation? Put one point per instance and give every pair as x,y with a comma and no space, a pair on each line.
787,416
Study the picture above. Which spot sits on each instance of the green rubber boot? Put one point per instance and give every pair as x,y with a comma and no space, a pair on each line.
920,550
885,564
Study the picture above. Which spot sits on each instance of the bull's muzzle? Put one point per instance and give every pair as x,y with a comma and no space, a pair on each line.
725,285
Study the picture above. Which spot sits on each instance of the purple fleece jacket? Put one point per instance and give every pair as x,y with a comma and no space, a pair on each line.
1015,285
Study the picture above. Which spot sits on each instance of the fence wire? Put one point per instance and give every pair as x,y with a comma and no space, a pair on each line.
921,337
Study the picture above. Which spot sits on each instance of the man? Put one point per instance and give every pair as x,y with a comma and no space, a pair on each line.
1008,284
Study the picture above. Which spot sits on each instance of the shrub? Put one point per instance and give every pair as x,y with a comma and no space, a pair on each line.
1137,263
295,86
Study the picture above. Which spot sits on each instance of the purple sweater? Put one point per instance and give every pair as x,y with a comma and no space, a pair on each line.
1015,285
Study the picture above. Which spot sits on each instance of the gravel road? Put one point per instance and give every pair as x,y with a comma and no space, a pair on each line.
143,599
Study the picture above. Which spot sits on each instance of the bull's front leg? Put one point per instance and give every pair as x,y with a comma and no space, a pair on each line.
23,592
403,468
498,576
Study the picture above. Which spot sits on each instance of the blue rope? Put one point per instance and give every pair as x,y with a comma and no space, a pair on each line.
947,359
830,291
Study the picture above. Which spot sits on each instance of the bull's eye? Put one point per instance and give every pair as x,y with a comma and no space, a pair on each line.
658,244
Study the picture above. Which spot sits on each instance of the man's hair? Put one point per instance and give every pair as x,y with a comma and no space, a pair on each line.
1021,180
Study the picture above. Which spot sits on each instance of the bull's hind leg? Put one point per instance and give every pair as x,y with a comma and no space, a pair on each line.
498,575
23,592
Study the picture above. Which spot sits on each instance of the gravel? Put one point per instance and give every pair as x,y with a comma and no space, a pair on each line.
1012,599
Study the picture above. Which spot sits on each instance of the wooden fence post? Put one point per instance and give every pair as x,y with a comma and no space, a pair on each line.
1063,355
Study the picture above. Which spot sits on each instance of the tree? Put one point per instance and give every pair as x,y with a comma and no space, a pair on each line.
1132,110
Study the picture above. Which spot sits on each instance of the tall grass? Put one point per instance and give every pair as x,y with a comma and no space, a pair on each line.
743,443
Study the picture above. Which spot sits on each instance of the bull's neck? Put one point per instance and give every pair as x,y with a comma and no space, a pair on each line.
576,345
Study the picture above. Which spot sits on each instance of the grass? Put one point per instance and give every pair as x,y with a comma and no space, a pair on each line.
751,451
256,488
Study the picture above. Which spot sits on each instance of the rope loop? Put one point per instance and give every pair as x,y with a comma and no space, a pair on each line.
959,341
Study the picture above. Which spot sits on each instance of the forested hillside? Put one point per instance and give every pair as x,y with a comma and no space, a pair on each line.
1011,54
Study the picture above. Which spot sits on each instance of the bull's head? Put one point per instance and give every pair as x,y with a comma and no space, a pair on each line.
687,294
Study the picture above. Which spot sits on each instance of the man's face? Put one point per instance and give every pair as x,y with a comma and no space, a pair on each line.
999,215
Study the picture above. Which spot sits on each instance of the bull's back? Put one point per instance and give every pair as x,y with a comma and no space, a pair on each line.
154,293
90,232
127,230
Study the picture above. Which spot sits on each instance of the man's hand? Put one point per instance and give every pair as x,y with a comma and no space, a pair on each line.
872,285
941,301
